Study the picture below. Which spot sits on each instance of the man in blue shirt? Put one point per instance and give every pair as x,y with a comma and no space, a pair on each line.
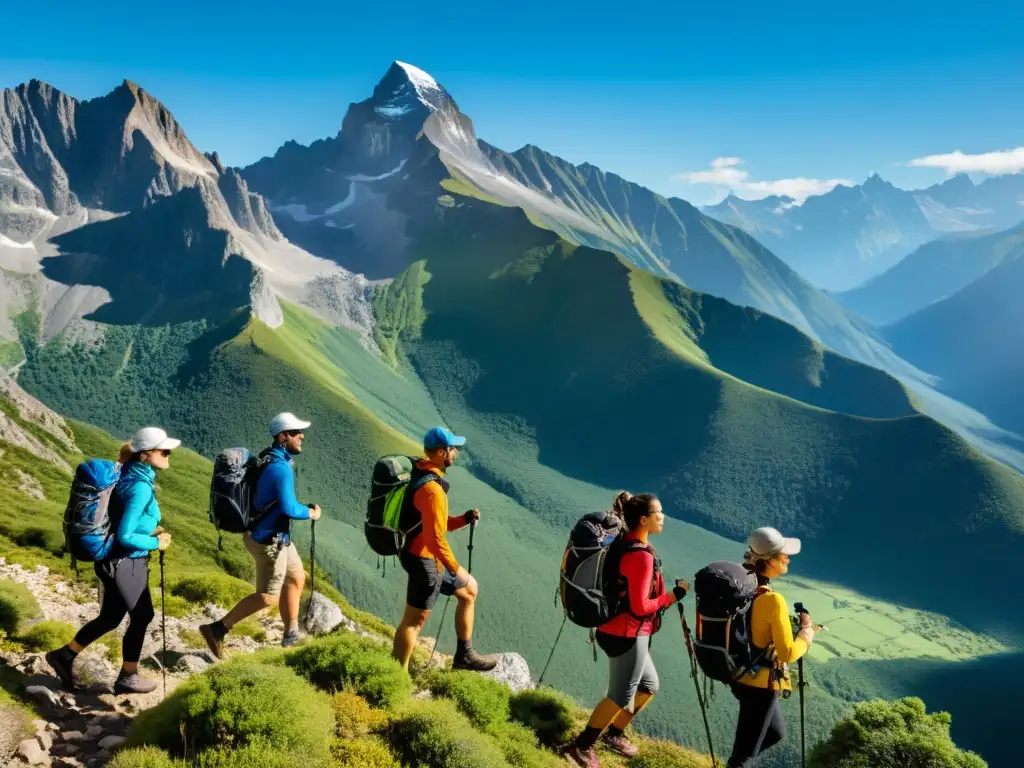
279,573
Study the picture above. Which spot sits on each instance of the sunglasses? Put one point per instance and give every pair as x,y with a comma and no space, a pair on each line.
164,452
293,432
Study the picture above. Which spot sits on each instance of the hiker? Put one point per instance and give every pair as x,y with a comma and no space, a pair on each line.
760,725
428,553
279,573
626,638
124,574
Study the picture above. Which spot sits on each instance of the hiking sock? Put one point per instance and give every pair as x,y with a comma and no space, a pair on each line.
613,732
462,647
588,738
218,628
66,651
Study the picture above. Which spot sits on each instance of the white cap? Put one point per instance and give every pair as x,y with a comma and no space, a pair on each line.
285,422
153,439
768,542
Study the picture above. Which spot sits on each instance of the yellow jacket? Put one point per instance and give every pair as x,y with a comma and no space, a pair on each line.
770,625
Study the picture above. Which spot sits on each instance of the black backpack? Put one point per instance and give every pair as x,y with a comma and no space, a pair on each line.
391,518
589,584
233,490
723,645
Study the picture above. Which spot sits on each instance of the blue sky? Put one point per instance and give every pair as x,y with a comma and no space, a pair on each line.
773,91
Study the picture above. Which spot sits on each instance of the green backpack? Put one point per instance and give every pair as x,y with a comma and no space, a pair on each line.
391,518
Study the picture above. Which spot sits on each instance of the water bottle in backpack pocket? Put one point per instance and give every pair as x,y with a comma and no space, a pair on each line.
88,530
724,594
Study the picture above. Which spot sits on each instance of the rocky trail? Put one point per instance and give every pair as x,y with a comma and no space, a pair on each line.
81,728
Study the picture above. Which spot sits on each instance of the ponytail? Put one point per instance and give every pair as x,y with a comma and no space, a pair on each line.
125,454
619,505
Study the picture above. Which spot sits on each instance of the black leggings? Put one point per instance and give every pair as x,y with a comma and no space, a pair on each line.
125,591
759,713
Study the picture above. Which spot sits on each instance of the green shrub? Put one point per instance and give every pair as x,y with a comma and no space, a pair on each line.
547,712
17,605
238,703
191,638
892,734
519,746
354,717
345,662
256,754
212,587
483,700
661,754
47,636
363,753
435,734
144,757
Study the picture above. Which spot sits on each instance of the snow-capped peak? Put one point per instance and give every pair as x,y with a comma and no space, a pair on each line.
424,83
405,90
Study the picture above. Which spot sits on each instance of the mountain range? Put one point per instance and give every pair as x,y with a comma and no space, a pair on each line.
405,273
845,237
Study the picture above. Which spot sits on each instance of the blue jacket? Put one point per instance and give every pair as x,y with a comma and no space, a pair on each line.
277,486
135,512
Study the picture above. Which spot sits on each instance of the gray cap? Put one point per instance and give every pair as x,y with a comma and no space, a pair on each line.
768,542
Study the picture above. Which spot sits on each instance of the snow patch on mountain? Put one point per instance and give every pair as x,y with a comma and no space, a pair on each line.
7,242
424,84
392,172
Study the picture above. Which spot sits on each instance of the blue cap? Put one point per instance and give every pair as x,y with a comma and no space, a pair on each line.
439,437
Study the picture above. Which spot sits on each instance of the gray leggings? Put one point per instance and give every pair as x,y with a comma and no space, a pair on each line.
630,672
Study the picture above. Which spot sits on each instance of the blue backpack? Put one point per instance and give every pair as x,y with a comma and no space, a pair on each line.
88,530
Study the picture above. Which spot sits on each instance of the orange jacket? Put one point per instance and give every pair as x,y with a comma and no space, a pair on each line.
431,502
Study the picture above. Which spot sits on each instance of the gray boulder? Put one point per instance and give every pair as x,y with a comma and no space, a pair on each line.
324,616
513,671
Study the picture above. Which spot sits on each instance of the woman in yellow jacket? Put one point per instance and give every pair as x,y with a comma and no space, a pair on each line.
760,725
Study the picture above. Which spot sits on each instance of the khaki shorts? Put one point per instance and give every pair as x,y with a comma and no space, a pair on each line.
273,565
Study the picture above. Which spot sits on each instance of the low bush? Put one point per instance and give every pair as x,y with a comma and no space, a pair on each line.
548,713
661,754
363,753
483,700
144,757
354,717
191,638
212,587
238,703
345,662
256,754
17,605
435,734
46,636
518,744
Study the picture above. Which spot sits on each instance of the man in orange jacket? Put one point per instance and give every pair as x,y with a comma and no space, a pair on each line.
428,553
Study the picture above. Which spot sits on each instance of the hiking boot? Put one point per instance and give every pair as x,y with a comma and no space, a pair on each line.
61,660
620,745
585,758
133,683
291,637
474,662
214,638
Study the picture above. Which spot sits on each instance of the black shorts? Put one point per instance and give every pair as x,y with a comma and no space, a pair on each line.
425,582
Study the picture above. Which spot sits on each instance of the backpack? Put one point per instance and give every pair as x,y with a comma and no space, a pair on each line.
391,518
723,644
88,530
587,579
233,490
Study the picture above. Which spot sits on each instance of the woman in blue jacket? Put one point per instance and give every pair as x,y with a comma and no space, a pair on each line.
125,573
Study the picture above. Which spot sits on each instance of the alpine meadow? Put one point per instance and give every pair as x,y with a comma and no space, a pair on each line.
844,368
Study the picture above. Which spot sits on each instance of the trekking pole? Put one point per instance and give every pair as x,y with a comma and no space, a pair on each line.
803,745
444,611
163,624
312,569
472,530
696,683
552,654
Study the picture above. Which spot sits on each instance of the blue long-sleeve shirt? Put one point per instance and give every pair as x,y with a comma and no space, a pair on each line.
277,486
135,511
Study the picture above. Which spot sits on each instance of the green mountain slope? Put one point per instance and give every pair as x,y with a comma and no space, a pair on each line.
933,272
973,341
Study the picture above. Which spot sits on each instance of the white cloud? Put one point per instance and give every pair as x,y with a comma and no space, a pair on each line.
993,163
725,174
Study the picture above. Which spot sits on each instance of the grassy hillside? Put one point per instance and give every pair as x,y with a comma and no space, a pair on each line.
567,358
935,271
972,340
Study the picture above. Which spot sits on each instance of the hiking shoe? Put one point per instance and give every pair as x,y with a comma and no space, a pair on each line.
620,745
133,683
474,662
214,638
585,758
290,638
61,661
